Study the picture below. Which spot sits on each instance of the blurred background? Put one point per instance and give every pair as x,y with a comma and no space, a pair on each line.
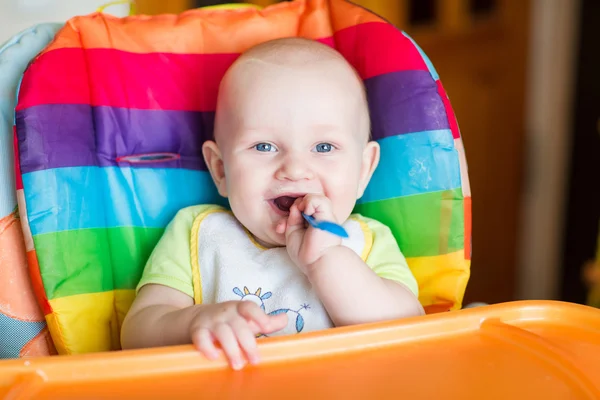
522,76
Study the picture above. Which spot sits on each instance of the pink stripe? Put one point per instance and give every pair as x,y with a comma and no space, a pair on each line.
185,82
376,48
449,111
328,41
108,77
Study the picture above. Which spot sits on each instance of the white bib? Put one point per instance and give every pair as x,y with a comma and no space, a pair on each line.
234,267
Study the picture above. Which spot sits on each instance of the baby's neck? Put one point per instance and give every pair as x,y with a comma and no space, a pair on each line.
262,243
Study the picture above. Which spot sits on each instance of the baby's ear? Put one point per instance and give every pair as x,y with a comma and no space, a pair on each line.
370,160
214,162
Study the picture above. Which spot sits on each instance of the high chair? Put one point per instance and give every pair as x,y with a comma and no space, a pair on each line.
22,324
109,121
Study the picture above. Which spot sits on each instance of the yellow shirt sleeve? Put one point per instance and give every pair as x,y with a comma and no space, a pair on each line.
385,257
169,263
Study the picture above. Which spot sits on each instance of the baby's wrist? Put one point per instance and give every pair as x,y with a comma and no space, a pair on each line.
327,258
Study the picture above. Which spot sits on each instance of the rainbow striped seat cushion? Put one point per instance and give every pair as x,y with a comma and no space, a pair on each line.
110,121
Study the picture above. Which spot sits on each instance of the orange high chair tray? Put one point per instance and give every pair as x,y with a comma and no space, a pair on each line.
519,350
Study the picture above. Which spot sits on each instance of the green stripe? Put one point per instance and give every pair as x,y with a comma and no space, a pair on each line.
97,260
93,260
417,223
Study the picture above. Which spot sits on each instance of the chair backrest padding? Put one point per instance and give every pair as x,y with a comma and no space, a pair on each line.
109,91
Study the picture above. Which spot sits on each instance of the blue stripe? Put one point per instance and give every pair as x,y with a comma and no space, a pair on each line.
93,197
428,62
414,163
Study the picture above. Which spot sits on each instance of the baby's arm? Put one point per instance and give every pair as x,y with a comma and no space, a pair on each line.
162,316
353,294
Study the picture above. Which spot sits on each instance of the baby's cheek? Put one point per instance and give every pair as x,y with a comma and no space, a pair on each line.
343,198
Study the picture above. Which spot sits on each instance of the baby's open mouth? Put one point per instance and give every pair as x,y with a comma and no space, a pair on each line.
284,203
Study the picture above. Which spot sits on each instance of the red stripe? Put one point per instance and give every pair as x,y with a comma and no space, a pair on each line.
108,77
449,111
186,82
37,283
378,48
18,177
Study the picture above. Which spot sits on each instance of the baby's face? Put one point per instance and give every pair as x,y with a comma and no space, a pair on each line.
287,132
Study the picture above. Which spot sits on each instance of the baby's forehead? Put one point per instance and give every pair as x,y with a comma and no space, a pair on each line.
292,76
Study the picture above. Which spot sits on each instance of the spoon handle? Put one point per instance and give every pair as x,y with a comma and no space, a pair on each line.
327,226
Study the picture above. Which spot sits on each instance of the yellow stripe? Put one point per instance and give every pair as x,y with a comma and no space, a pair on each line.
55,329
90,322
442,279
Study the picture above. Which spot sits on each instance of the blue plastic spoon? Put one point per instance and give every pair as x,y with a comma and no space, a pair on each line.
326,226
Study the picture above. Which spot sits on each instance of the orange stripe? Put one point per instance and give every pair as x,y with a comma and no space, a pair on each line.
207,31
17,299
195,31
468,221
36,282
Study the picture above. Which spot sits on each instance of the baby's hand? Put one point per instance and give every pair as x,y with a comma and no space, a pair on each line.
306,245
234,325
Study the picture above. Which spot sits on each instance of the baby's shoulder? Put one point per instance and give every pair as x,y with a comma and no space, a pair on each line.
188,217
369,225
191,213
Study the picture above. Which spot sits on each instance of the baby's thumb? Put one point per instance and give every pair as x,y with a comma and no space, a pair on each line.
276,323
268,324
294,221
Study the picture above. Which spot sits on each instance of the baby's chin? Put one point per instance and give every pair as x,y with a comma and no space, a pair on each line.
271,240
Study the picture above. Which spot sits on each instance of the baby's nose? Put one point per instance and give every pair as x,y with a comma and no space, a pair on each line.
294,169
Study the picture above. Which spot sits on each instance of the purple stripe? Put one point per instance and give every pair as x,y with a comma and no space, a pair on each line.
70,135
81,135
404,102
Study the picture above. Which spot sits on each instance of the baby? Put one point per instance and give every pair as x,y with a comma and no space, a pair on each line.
291,137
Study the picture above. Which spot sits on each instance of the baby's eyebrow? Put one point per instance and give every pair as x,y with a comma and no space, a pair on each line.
249,135
326,128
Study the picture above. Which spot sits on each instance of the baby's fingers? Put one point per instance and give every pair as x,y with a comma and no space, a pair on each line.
259,321
226,337
294,220
252,313
276,323
203,341
318,206
246,339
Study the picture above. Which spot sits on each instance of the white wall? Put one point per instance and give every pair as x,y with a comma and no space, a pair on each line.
17,15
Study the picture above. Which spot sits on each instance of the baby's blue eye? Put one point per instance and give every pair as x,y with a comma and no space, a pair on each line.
265,147
324,148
